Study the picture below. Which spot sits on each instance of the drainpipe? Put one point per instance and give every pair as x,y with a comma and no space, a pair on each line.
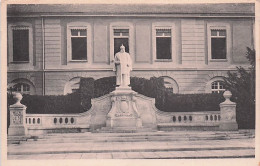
43,58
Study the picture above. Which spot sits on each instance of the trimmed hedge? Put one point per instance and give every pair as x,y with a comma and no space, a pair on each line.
86,91
80,101
67,104
192,102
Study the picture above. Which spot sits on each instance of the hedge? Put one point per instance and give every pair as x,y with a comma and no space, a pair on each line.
80,101
67,104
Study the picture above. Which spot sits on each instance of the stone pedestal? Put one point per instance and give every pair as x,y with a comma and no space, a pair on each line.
123,113
228,113
17,118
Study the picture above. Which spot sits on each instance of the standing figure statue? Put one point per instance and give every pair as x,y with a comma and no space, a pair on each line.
123,66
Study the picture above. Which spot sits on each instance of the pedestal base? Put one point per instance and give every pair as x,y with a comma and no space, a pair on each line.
228,126
16,131
124,122
124,112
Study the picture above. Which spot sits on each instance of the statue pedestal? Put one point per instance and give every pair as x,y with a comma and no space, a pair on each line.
123,113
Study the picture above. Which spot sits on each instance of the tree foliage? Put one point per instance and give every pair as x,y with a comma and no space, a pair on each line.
242,86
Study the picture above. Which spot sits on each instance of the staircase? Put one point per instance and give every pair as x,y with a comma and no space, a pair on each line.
145,145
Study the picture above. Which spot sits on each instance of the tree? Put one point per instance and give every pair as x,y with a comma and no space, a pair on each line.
242,86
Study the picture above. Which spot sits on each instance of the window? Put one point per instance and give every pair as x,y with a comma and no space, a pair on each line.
170,84
20,43
218,44
121,36
121,33
163,44
72,86
217,87
79,47
21,87
78,44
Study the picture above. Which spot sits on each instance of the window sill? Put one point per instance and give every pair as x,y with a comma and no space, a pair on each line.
218,60
18,62
78,61
163,60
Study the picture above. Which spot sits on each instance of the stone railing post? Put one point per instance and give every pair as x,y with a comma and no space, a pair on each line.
17,118
228,113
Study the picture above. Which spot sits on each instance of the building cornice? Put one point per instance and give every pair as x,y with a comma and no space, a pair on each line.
141,16
139,69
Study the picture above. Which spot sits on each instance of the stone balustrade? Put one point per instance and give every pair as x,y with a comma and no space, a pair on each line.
189,117
38,124
95,118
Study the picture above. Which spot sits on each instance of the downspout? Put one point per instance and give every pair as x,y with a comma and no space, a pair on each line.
43,58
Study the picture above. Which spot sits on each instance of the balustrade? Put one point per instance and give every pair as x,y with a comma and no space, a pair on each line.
63,120
190,118
33,120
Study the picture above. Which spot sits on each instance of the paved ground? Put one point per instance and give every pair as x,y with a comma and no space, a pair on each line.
151,145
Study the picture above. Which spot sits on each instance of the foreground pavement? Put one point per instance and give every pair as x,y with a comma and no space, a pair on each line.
149,145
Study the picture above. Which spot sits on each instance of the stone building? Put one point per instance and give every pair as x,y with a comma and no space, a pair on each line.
192,46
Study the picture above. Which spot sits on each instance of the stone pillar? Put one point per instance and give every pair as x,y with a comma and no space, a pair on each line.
17,118
228,113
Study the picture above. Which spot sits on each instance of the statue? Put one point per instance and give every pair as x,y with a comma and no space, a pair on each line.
123,66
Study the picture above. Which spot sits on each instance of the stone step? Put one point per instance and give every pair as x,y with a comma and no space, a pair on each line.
16,139
138,137
203,154
158,133
125,130
146,146
134,138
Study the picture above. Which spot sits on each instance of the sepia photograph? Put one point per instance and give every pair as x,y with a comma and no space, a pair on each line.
125,81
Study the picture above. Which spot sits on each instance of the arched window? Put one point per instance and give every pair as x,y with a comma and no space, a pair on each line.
217,87
170,84
72,85
22,86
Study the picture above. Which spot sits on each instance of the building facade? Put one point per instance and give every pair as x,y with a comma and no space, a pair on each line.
192,46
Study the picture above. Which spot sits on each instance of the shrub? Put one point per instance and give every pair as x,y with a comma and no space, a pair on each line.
242,85
51,104
86,90
104,86
80,101
191,102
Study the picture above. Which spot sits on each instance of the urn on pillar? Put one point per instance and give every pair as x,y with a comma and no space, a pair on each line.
17,117
228,113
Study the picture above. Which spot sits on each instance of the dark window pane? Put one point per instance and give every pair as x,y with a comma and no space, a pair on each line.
214,32
222,33
124,32
74,32
218,48
163,48
79,48
118,42
83,32
160,32
21,45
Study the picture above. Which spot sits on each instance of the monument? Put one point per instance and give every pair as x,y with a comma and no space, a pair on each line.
124,112
122,66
